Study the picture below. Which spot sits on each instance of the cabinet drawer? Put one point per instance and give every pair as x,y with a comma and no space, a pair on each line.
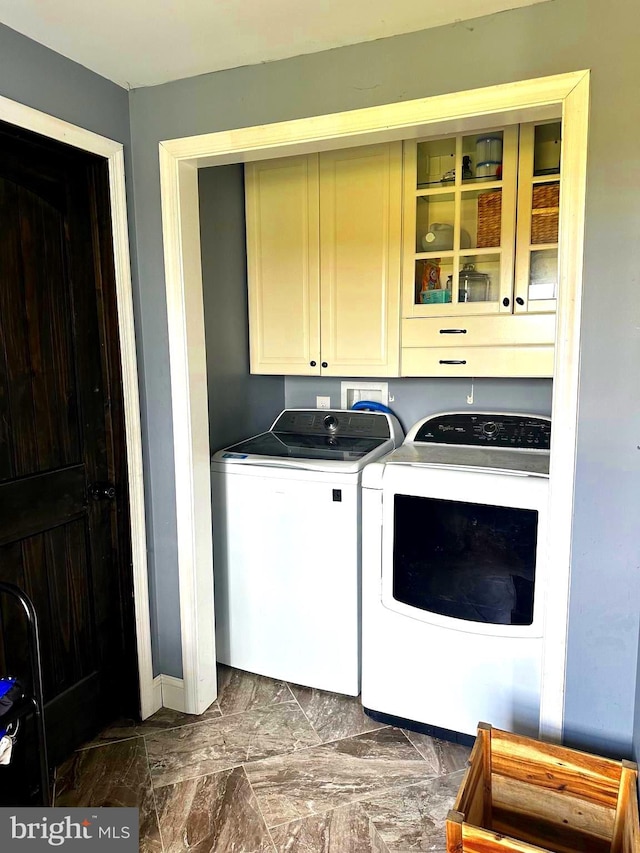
502,330
478,361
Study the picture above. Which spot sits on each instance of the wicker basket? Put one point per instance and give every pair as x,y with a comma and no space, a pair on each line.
489,219
544,213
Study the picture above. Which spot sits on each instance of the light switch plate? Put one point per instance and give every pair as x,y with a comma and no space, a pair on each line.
323,402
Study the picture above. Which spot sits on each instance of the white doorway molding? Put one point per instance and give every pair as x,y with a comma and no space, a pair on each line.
61,131
565,95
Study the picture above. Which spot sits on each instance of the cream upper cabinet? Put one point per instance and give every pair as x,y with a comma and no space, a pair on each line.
282,209
360,240
324,255
478,253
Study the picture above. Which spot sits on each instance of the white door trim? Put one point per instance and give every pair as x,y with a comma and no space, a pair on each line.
188,370
564,425
179,161
54,128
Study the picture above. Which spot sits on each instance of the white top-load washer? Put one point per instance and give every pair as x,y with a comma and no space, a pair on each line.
454,569
286,533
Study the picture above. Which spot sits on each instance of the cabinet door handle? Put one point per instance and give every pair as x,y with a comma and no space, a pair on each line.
519,300
324,364
452,361
453,331
313,363
505,302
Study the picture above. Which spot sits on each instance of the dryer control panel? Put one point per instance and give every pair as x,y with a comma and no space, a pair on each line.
475,429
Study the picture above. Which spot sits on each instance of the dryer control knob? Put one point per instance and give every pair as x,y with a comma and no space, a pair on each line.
331,423
490,428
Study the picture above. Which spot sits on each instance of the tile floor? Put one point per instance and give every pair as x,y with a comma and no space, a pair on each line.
270,767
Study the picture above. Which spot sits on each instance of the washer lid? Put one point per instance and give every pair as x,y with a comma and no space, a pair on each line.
337,448
318,440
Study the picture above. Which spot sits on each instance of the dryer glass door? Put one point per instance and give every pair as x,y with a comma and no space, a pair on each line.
466,561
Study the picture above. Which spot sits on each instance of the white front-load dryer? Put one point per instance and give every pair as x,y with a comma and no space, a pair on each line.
454,570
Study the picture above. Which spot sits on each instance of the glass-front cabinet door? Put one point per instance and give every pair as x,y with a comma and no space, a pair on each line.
460,221
536,280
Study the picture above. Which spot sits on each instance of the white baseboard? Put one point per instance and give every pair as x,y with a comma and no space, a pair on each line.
157,694
168,692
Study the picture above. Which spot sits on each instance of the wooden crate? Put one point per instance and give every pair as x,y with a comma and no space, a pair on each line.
520,795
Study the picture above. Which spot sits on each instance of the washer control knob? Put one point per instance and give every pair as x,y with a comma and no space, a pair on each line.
331,423
490,428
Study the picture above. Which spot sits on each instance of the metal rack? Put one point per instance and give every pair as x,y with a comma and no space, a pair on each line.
32,702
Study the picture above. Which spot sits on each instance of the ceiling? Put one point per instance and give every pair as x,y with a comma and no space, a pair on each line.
145,42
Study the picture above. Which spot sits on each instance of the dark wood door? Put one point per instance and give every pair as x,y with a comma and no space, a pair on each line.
63,538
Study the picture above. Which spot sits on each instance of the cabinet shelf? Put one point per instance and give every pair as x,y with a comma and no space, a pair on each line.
467,253
480,186
541,247
434,256
467,186
545,179
486,250
447,189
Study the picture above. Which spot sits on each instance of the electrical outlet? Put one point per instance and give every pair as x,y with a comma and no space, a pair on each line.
323,402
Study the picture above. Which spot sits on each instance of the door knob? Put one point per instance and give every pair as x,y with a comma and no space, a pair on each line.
102,491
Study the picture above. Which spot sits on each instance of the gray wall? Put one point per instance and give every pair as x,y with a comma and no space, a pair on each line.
40,78
240,405
548,38
413,399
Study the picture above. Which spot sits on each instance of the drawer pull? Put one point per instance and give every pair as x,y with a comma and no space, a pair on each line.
452,361
453,331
